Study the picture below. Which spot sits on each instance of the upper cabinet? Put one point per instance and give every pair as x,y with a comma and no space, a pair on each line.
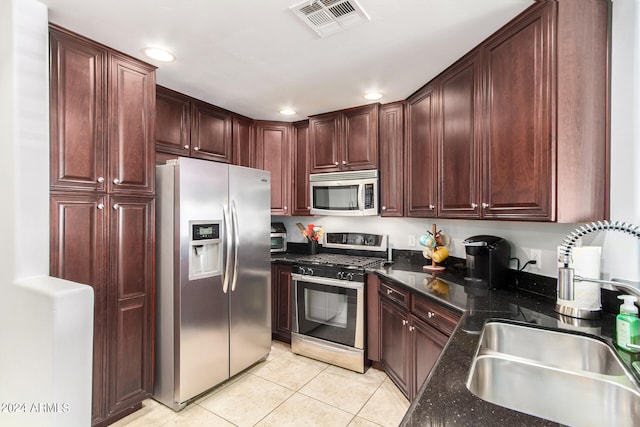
344,140
243,135
102,118
191,128
273,153
300,146
391,133
420,154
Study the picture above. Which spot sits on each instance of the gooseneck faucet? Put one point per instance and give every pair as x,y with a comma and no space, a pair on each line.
567,278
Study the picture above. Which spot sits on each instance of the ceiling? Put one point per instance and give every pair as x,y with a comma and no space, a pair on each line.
255,57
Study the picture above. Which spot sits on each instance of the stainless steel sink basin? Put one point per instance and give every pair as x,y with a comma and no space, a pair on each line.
564,377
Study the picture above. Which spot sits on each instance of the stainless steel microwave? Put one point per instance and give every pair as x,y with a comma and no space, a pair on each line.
352,193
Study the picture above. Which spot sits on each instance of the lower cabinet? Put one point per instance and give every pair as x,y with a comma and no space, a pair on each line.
282,296
108,242
412,332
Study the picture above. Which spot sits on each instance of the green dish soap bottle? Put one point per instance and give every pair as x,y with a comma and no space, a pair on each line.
627,323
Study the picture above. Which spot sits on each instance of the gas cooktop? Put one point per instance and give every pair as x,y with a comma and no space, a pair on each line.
340,260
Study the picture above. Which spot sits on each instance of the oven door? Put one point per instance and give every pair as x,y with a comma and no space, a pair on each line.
329,310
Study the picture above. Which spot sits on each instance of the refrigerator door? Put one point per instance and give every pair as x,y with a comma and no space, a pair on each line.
250,289
203,307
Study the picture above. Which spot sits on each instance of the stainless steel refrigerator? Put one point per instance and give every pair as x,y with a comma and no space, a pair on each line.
213,275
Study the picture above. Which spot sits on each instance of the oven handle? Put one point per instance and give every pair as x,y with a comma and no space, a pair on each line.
326,281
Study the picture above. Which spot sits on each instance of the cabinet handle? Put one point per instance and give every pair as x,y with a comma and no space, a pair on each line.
116,206
389,291
412,328
432,207
196,148
384,208
485,205
100,179
474,205
186,147
116,181
100,206
336,163
404,322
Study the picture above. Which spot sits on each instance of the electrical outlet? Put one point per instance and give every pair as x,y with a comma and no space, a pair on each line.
536,255
411,241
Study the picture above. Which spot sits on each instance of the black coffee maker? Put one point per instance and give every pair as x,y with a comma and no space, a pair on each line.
487,261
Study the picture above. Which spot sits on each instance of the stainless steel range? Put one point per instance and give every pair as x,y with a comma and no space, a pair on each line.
328,304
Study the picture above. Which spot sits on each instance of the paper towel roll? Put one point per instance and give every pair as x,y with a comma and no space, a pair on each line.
586,263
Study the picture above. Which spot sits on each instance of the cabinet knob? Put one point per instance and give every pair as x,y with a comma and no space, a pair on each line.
100,206
389,291
100,179
412,328
404,322
117,181
384,208
116,206
485,205
344,162
474,205
285,208
196,148
336,163
432,207
431,314
186,147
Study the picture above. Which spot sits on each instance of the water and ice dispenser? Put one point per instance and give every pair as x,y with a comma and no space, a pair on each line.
204,249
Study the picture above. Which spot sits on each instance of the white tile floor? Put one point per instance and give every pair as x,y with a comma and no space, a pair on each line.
287,390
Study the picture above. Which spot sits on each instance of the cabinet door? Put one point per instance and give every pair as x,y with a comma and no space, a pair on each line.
359,149
392,159
243,137
282,296
517,151
210,132
132,106
394,344
78,253
172,122
420,154
274,155
459,142
301,205
324,142
77,113
131,307
426,344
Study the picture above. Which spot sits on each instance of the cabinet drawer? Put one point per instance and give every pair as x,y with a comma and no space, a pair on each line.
396,294
435,315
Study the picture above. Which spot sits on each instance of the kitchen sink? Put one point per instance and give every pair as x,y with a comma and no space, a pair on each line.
565,377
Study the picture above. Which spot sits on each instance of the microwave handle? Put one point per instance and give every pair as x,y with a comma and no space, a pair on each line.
361,197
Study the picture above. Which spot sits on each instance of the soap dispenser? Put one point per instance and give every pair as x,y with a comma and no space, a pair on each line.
627,323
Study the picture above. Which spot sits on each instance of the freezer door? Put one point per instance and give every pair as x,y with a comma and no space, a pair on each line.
203,306
250,296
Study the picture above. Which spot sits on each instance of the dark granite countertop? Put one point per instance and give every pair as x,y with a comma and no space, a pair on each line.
444,398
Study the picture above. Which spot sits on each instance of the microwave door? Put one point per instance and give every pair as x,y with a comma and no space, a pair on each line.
332,198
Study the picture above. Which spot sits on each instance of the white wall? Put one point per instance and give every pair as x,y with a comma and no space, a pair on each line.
620,252
47,323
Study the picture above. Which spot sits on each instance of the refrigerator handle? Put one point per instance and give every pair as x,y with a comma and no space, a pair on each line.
227,243
236,238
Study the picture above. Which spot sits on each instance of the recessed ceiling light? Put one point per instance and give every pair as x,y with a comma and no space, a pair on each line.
159,54
288,112
373,95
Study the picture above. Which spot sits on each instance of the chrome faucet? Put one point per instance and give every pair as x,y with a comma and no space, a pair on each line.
567,278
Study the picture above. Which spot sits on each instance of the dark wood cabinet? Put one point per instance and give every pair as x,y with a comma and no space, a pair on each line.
210,132
192,128
411,330
243,137
300,145
421,154
344,140
459,125
518,143
391,134
102,208
281,295
273,153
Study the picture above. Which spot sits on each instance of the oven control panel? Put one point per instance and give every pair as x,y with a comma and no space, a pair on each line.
330,272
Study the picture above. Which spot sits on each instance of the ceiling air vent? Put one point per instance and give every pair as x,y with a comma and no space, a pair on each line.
330,16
